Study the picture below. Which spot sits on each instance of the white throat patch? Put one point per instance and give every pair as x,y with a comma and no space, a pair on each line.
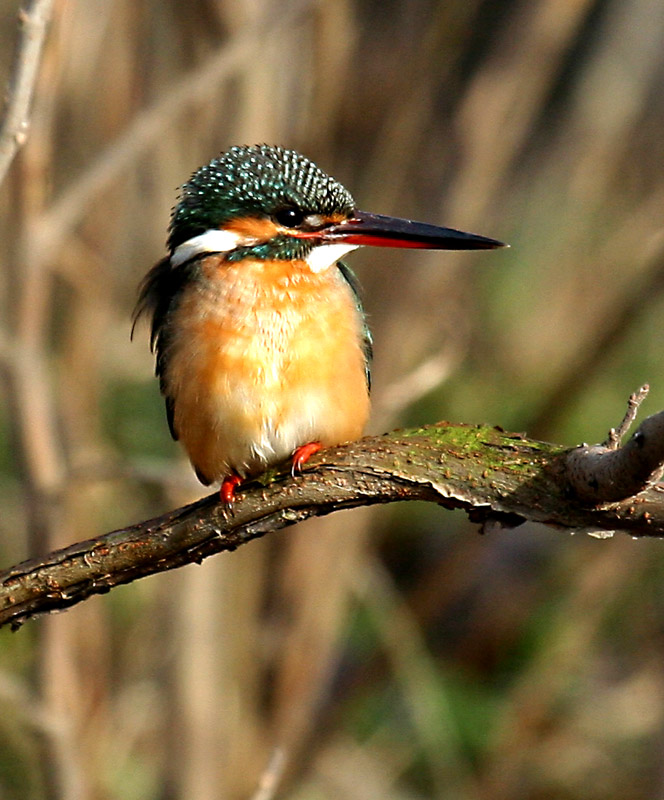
212,241
325,255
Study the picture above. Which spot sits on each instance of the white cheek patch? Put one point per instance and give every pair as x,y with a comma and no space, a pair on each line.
212,241
325,255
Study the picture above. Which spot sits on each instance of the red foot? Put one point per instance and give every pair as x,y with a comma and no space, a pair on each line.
227,491
303,454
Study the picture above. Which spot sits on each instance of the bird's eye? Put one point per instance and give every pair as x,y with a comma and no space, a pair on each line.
289,217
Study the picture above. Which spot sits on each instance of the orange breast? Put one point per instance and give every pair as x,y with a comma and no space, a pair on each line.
264,356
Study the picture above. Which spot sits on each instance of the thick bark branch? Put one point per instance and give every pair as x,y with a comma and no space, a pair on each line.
498,478
604,474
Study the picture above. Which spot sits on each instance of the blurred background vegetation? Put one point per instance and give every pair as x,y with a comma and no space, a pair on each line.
390,653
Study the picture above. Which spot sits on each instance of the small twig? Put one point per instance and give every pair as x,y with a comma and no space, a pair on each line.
425,377
271,777
33,17
616,435
605,473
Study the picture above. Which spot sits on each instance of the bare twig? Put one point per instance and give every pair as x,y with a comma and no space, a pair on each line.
425,377
616,435
269,780
33,17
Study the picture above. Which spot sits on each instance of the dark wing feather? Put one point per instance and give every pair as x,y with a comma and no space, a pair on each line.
158,296
367,339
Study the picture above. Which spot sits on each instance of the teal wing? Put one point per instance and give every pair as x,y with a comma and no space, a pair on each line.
367,339
159,294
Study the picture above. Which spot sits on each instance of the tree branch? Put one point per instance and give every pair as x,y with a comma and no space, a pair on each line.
498,478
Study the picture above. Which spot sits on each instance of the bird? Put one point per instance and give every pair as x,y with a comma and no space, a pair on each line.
263,352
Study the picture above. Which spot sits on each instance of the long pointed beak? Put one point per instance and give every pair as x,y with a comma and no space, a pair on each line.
377,230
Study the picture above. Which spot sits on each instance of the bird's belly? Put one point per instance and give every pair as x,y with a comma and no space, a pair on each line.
250,425
252,382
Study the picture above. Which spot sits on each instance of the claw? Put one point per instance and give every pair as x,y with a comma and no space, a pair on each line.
227,490
303,454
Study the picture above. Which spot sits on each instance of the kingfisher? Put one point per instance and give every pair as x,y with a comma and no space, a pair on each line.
262,347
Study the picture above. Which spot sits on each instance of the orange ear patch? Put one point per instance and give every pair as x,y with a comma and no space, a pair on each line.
253,228
261,229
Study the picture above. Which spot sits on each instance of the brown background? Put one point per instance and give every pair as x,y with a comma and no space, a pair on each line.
385,654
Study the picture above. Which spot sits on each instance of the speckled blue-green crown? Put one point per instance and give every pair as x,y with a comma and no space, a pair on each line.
256,180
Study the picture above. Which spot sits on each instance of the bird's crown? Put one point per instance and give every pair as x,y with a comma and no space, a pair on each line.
255,181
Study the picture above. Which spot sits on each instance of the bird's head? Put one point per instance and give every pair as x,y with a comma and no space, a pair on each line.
266,203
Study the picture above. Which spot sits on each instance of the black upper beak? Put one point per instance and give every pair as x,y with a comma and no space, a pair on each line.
381,231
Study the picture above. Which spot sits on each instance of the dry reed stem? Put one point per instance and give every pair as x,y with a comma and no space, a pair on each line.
33,17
